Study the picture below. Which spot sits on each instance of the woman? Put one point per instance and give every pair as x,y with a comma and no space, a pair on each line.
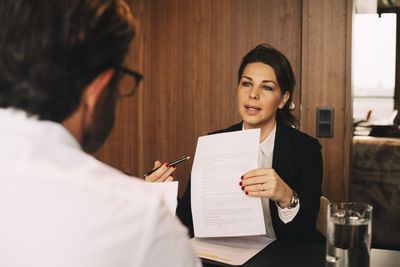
289,176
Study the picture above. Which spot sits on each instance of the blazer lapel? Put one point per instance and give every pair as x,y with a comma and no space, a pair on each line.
236,127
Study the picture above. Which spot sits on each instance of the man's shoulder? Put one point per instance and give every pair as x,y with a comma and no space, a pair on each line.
71,171
111,182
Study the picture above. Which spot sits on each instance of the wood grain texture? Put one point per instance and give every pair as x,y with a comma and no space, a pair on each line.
326,81
397,71
189,52
124,147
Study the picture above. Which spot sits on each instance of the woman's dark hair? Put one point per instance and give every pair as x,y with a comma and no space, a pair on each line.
268,55
51,50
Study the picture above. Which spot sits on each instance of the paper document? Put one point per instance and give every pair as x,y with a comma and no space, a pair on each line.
169,191
230,250
219,206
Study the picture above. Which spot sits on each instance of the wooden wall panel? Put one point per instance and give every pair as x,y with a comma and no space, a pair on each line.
124,147
189,52
326,81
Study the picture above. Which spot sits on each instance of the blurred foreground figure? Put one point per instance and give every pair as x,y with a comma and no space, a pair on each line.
60,67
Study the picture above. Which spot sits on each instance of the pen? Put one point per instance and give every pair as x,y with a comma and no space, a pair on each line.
171,164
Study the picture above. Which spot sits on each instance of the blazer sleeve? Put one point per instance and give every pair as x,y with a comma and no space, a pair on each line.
306,182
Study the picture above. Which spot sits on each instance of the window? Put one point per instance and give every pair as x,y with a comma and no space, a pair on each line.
374,61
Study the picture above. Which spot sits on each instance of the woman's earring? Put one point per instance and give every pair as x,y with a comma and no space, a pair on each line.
292,106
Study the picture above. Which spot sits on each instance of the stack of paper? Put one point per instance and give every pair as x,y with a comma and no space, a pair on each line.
230,250
219,206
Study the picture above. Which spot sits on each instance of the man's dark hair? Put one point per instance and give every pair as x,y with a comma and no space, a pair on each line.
268,55
50,50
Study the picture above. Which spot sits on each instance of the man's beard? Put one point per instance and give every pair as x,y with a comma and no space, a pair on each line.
95,135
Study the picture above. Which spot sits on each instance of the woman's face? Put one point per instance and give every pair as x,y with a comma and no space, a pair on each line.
259,96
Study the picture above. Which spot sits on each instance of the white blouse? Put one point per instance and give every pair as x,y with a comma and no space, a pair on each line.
265,157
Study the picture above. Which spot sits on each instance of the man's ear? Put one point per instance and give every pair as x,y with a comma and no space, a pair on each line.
284,99
93,91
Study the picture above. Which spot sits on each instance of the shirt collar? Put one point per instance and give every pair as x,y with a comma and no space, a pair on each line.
267,146
14,120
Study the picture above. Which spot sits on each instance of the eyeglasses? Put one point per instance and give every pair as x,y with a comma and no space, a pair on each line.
130,82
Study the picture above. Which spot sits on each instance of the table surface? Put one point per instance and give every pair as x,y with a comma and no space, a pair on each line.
289,253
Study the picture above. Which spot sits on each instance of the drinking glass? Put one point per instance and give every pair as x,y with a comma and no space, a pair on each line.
348,243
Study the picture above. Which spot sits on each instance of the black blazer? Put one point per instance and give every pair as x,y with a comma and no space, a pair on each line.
298,161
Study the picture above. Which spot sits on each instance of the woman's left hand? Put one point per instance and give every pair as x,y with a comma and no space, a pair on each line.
265,182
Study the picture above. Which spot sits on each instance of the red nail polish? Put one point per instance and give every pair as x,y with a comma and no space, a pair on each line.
241,183
247,193
243,188
241,177
174,166
167,165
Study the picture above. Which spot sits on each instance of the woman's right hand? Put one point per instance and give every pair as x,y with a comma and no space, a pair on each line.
163,174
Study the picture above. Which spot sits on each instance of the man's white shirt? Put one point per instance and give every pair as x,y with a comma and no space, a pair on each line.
61,207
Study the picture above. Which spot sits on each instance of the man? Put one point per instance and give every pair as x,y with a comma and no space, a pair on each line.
60,64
